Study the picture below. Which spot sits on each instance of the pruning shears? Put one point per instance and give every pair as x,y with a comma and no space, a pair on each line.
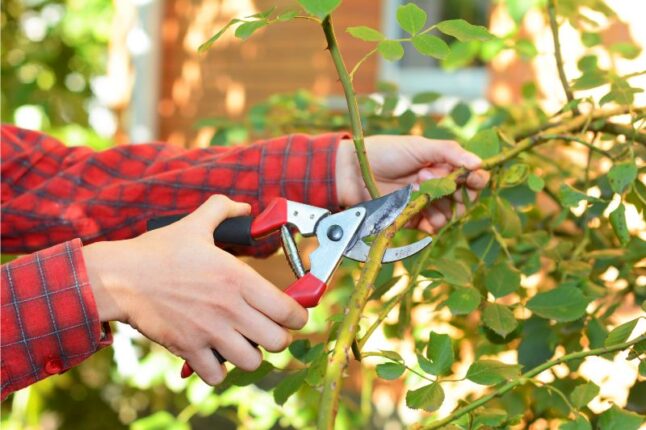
339,234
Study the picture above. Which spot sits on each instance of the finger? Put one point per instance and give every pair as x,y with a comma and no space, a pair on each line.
216,209
425,225
263,331
237,350
444,205
447,151
434,172
272,302
460,209
207,367
478,180
459,197
436,219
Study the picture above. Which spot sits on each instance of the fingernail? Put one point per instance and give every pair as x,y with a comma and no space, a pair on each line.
425,175
471,160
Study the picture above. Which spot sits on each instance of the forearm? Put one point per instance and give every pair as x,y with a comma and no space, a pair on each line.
109,195
50,321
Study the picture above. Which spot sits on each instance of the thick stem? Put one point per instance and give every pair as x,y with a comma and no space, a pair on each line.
551,11
525,377
620,129
353,108
347,332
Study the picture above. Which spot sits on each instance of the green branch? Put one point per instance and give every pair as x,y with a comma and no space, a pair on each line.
551,11
525,377
347,331
353,108
620,129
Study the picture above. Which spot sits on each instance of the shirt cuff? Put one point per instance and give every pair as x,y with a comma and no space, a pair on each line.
50,322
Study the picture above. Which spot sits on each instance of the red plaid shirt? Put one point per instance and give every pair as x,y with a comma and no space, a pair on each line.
54,197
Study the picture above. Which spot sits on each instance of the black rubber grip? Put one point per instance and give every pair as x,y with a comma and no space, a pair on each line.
234,231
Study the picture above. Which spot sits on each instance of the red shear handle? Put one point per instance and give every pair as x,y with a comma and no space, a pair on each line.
271,219
307,291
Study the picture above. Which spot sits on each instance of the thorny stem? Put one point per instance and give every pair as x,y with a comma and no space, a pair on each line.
360,62
551,10
525,377
347,332
578,140
353,108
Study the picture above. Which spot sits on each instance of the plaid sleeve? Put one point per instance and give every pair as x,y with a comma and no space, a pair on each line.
52,193
49,319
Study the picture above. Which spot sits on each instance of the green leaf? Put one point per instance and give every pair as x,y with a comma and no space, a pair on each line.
502,279
440,352
460,114
431,46
463,300
518,8
505,218
499,319
580,423
320,8
597,333
426,97
618,221
618,419
621,175
570,197
561,304
429,397
241,378
484,144
390,50
461,54
583,394
626,50
287,15
463,31
589,80
454,272
489,418
264,14
299,348
289,385
535,183
390,370
411,18
590,39
514,175
206,45
620,333
391,355
492,372
161,420
438,187
365,33
245,30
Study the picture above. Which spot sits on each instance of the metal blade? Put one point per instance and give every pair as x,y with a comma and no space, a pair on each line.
381,212
359,252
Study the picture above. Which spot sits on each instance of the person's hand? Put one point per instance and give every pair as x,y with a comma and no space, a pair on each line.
397,161
178,289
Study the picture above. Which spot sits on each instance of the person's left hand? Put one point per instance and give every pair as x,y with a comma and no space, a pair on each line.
397,161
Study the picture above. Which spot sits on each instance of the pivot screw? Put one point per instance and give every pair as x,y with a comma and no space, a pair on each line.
335,233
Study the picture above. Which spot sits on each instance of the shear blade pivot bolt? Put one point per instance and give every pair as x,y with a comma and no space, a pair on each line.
335,233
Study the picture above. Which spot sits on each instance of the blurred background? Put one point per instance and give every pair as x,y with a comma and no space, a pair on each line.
104,72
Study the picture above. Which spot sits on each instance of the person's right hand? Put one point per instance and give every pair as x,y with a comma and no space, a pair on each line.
180,290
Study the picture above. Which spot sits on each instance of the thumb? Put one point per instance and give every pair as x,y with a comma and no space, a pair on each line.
216,209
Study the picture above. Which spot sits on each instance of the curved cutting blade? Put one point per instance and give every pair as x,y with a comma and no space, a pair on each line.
381,212
359,252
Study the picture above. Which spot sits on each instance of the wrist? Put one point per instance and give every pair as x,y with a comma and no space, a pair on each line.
347,175
106,265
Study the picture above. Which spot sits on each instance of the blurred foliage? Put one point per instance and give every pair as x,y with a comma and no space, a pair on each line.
51,51
541,265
